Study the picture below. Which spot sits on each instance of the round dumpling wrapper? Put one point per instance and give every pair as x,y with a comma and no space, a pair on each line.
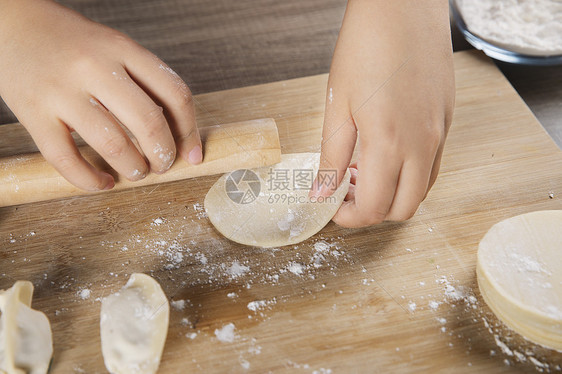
269,206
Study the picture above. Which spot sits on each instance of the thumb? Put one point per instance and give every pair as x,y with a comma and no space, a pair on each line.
339,136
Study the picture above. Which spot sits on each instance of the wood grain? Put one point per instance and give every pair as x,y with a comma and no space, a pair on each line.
28,178
369,300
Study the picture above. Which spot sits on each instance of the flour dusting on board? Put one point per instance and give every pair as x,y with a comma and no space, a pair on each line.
236,269
84,293
226,333
200,210
177,250
515,348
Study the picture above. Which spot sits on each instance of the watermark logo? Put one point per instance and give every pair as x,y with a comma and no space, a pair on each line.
281,186
243,186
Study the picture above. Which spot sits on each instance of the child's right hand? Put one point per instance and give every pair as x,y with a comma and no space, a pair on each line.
62,72
391,87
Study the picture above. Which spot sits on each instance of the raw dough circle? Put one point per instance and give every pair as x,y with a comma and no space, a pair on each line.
520,278
281,213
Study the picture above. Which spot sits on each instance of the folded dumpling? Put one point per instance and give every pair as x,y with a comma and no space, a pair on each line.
133,326
26,343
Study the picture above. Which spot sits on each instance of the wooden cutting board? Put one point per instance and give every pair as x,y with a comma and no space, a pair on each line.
392,298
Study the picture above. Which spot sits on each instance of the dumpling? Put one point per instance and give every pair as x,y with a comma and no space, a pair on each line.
26,343
133,326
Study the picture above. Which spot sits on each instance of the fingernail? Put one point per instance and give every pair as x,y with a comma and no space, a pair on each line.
138,175
195,155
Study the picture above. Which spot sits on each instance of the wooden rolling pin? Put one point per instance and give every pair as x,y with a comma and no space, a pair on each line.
29,178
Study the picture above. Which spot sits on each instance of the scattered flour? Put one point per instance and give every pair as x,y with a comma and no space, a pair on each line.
322,246
294,365
236,270
178,304
451,292
254,349
199,211
202,258
295,268
505,349
539,364
260,305
515,352
434,305
254,306
412,306
84,293
226,333
244,363
322,371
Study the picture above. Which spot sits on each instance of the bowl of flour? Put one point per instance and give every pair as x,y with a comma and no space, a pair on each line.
517,31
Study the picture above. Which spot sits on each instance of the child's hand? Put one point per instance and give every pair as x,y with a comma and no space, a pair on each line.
392,86
61,72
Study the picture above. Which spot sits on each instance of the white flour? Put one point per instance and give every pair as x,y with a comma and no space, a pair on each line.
532,27
84,293
226,333
178,304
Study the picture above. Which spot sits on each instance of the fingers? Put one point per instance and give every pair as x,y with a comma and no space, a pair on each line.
104,134
339,136
379,168
121,99
141,115
410,192
387,190
435,168
353,173
59,149
169,90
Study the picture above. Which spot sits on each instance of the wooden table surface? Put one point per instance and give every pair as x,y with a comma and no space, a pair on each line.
390,298
222,44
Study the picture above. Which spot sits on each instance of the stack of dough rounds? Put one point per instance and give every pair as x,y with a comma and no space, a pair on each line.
520,275
280,214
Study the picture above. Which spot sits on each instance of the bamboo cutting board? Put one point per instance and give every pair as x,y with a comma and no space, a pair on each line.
392,298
